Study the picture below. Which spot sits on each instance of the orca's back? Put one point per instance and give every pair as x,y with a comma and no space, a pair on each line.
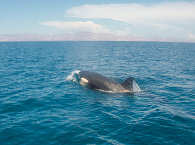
98,81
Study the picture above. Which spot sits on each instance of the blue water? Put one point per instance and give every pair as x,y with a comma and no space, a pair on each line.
39,106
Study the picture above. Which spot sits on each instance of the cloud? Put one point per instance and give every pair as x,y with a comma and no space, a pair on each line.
170,21
87,30
137,13
191,37
77,26
77,36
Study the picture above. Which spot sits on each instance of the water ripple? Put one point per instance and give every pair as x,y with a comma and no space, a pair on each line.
38,105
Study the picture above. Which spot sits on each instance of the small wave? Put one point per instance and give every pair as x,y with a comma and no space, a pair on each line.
72,77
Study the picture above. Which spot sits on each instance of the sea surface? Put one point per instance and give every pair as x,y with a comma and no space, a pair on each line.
40,106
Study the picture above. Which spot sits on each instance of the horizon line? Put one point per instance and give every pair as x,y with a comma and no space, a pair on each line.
95,41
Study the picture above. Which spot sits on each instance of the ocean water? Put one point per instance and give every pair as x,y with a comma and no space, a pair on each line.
38,105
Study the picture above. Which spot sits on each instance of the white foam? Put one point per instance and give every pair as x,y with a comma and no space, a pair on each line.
71,77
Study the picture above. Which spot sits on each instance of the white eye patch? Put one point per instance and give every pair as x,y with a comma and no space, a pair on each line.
83,81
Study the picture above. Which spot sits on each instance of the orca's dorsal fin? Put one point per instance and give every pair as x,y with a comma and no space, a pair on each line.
128,83
131,85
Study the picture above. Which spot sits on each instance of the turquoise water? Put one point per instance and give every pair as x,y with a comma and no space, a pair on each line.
39,106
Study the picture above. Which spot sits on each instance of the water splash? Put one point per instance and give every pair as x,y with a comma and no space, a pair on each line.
72,76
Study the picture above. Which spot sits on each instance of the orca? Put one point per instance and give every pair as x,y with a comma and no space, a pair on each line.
99,82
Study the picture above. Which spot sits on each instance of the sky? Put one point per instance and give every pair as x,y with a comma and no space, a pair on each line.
97,20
